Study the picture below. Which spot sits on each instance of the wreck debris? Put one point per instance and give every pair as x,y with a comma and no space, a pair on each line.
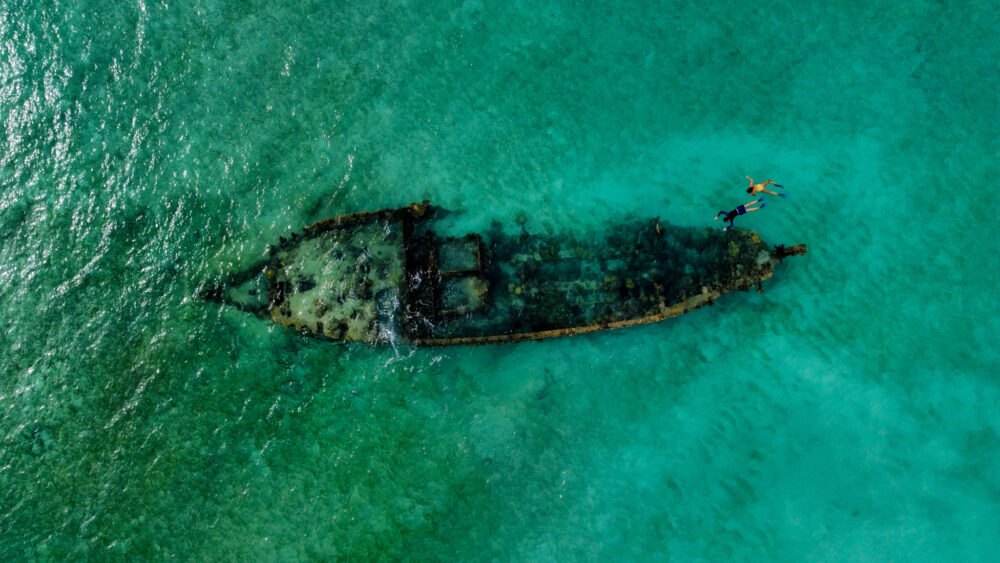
375,276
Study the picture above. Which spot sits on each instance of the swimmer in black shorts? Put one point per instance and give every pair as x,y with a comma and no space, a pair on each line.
741,210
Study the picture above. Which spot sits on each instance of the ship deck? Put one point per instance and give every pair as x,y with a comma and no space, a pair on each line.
389,276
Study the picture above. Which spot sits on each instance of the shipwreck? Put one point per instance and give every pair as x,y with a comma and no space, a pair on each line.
388,276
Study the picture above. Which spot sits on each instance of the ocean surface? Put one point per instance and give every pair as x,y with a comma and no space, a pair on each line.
851,411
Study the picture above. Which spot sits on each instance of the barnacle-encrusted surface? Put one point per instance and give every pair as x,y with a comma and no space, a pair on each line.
388,275
328,284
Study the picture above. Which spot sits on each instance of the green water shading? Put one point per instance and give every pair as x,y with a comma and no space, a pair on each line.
848,412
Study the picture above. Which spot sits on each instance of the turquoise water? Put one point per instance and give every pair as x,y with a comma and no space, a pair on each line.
849,412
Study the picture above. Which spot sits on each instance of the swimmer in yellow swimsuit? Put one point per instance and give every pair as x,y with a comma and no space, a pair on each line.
762,187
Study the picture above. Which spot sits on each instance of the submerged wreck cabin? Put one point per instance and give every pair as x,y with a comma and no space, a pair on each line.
388,276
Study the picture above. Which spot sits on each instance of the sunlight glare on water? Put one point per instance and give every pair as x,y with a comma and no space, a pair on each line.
847,412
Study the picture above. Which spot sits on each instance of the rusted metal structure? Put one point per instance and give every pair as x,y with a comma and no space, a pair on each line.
388,276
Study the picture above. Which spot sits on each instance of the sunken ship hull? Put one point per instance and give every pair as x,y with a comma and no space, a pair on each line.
387,276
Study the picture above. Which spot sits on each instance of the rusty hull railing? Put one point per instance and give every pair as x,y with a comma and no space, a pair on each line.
706,297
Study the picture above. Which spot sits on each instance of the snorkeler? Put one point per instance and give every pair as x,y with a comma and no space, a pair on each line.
762,187
741,210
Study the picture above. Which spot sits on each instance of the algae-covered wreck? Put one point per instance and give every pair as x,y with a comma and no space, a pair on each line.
387,276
